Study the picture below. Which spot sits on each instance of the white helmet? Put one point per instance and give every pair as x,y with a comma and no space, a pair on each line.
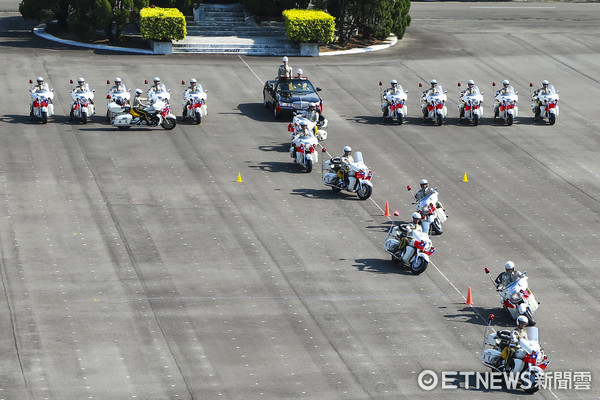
545,82
312,104
193,80
433,82
40,79
423,182
299,72
347,148
156,79
138,91
522,318
416,215
505,82
117,80
284,59
394,82
81,80
471,82
509,265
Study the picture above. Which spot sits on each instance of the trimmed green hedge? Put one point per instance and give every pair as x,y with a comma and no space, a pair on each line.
309,26
162,24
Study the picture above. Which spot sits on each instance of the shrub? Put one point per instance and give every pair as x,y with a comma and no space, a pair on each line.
309,26
162,24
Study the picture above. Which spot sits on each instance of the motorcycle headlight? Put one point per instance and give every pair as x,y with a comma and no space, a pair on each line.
515,297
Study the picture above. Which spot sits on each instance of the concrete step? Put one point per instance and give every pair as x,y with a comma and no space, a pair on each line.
235,32
242,51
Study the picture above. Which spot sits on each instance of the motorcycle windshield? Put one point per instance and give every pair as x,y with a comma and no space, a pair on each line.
551,89
358,158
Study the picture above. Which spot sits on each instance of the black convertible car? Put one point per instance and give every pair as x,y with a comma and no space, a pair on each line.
284,96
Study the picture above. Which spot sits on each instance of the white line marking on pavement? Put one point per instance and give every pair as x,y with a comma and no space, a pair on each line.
512,7
251,70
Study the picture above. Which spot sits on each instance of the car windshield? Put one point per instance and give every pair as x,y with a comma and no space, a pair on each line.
296,86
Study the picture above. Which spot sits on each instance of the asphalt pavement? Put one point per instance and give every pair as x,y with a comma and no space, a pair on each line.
135,265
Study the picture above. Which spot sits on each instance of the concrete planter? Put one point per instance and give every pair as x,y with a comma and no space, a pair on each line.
309,49
161,47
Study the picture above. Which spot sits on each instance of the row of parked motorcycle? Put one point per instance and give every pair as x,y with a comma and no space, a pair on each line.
544,103
412,247
121,110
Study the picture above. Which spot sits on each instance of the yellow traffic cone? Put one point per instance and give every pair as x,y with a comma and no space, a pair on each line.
239,178
465,179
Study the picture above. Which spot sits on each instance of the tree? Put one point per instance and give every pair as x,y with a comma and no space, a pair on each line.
370,18
85,16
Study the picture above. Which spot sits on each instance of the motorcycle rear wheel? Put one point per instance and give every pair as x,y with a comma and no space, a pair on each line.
418,266
365,192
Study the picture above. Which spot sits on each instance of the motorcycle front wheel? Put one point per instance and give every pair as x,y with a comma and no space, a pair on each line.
84,118
198,118
169,123
552,119
530,317
476,120
418,266
437,227
309,165
44,117
364,192
440,120
509,119
400,119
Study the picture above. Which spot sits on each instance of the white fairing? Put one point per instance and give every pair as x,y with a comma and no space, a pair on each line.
39,98
548,103
196,102
471,103
116,102
514,293
80,99
506,103
395,103
320,133
435,103
122,119
303,146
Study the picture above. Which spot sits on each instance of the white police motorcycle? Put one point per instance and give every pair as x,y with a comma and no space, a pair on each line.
82,106
194,106
505,106
469,106
393,105
526,370
547,104
415,254
434,104
41,106
433,217
354,177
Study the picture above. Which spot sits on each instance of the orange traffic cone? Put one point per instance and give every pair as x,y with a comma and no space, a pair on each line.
386,213
469,297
